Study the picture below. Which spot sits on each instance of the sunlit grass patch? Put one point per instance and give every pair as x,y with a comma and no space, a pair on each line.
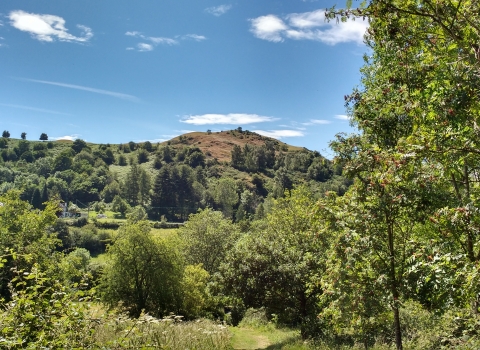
169,333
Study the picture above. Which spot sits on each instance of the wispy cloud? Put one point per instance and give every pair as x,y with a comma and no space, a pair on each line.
47,27
41,110
218,10
195,37
154,41
142,47
342,117
317,122
226,119
86,88
161,40
72,137
279,134
308,26
152,140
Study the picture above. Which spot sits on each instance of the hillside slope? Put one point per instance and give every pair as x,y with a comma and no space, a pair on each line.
234,171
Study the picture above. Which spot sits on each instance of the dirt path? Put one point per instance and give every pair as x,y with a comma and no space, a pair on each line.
248,339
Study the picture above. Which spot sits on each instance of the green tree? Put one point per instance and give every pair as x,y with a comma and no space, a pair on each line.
6,134
63,161
22,147
418,104
277,264
132,186
142,156
122,161
141,273
145,185
120,205
24,238
23,135
147,146
43,137
207,236
110,191
163,199
238,159
196,298
195,158
225,195
78,145
36,200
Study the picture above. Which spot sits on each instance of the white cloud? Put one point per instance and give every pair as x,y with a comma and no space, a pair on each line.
308,26
66,137
160,40
279,134
230,119
144,47
33,109
47,27
317,121
195,37
153,140
218,10
342,117
86,88
268,27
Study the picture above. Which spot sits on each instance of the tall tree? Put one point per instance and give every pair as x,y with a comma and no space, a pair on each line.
226,196
163,199
143,273
418,103
132,185
208,236
237,157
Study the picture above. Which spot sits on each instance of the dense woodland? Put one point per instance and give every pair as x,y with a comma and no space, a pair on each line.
378,248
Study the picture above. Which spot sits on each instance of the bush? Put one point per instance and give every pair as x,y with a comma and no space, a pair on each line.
39,146
161,224
80,222
90,238
112,225
44,315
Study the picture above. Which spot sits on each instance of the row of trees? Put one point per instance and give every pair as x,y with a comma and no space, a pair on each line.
6,135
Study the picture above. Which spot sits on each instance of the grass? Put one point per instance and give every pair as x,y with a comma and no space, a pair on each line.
150,333
256,332
99,259
266,337
164,232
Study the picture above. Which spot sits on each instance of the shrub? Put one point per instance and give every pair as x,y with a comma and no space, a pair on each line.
44,315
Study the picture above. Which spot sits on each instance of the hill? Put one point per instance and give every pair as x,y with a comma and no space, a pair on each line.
236,171
220,144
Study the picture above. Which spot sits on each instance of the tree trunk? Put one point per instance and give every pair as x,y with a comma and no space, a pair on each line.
398,331
394,286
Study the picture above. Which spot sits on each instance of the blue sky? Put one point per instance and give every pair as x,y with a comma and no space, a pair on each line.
115,71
